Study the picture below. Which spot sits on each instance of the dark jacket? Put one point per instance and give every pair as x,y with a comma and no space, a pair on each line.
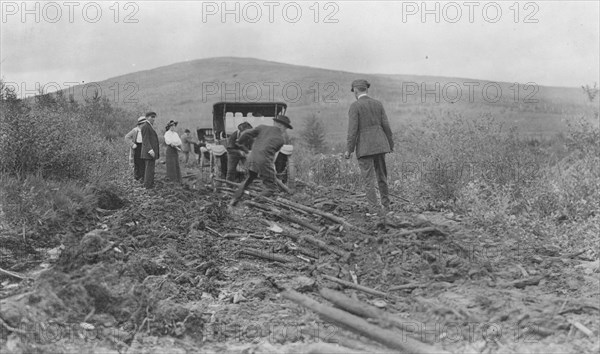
232,143
149,142
368,128
267,142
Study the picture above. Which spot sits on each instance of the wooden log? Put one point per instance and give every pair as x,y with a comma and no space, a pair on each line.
582,328
364,194
12,329
280,214
320,348
318,243
308,252
416,231
213,231
355,286
365,310
358,325
226,189
574,254
258,206
286,207
326,247
237,185
298,221
233,184
13,274
235,236
566,256
287,216
400,197
329,216
580,306
267,255
409,286
15,297
521,283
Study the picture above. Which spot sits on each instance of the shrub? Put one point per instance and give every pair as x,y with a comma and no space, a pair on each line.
57,138
574,183
49,144
326,170
55,159
450,151
566,191
313,135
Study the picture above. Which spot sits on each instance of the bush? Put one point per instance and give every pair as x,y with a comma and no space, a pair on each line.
449,152
56,158
566,192
55,138
574,184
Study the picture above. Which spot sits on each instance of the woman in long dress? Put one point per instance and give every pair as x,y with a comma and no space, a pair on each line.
173,143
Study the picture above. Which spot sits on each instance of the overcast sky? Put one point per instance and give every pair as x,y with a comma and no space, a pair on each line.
552,42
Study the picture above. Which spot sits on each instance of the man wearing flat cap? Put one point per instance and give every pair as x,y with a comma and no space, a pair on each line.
268,140
369,134
150,149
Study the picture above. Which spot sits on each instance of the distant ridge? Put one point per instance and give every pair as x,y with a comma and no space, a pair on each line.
187,90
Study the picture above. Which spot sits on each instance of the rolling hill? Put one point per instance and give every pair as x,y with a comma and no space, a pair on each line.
186,92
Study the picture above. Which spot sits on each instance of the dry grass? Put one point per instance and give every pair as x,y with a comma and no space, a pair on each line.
502,181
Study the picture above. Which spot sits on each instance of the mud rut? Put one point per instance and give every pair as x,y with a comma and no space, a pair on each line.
175,270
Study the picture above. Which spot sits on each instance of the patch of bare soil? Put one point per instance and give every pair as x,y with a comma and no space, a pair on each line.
175,270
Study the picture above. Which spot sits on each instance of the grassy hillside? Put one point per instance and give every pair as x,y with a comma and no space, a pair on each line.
186,92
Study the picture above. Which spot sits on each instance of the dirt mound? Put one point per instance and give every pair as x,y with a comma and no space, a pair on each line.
95,246
108,199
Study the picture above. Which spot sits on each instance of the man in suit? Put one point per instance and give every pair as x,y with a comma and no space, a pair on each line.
370,135
234,153
134,138
150,149
261,161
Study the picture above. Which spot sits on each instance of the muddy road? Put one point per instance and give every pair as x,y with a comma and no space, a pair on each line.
174,270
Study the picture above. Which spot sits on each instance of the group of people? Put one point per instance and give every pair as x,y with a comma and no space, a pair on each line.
145,150
369,136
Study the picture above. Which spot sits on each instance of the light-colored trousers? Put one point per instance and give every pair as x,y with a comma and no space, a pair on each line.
373,167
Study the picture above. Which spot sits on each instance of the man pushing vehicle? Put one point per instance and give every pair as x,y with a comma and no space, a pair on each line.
261,161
